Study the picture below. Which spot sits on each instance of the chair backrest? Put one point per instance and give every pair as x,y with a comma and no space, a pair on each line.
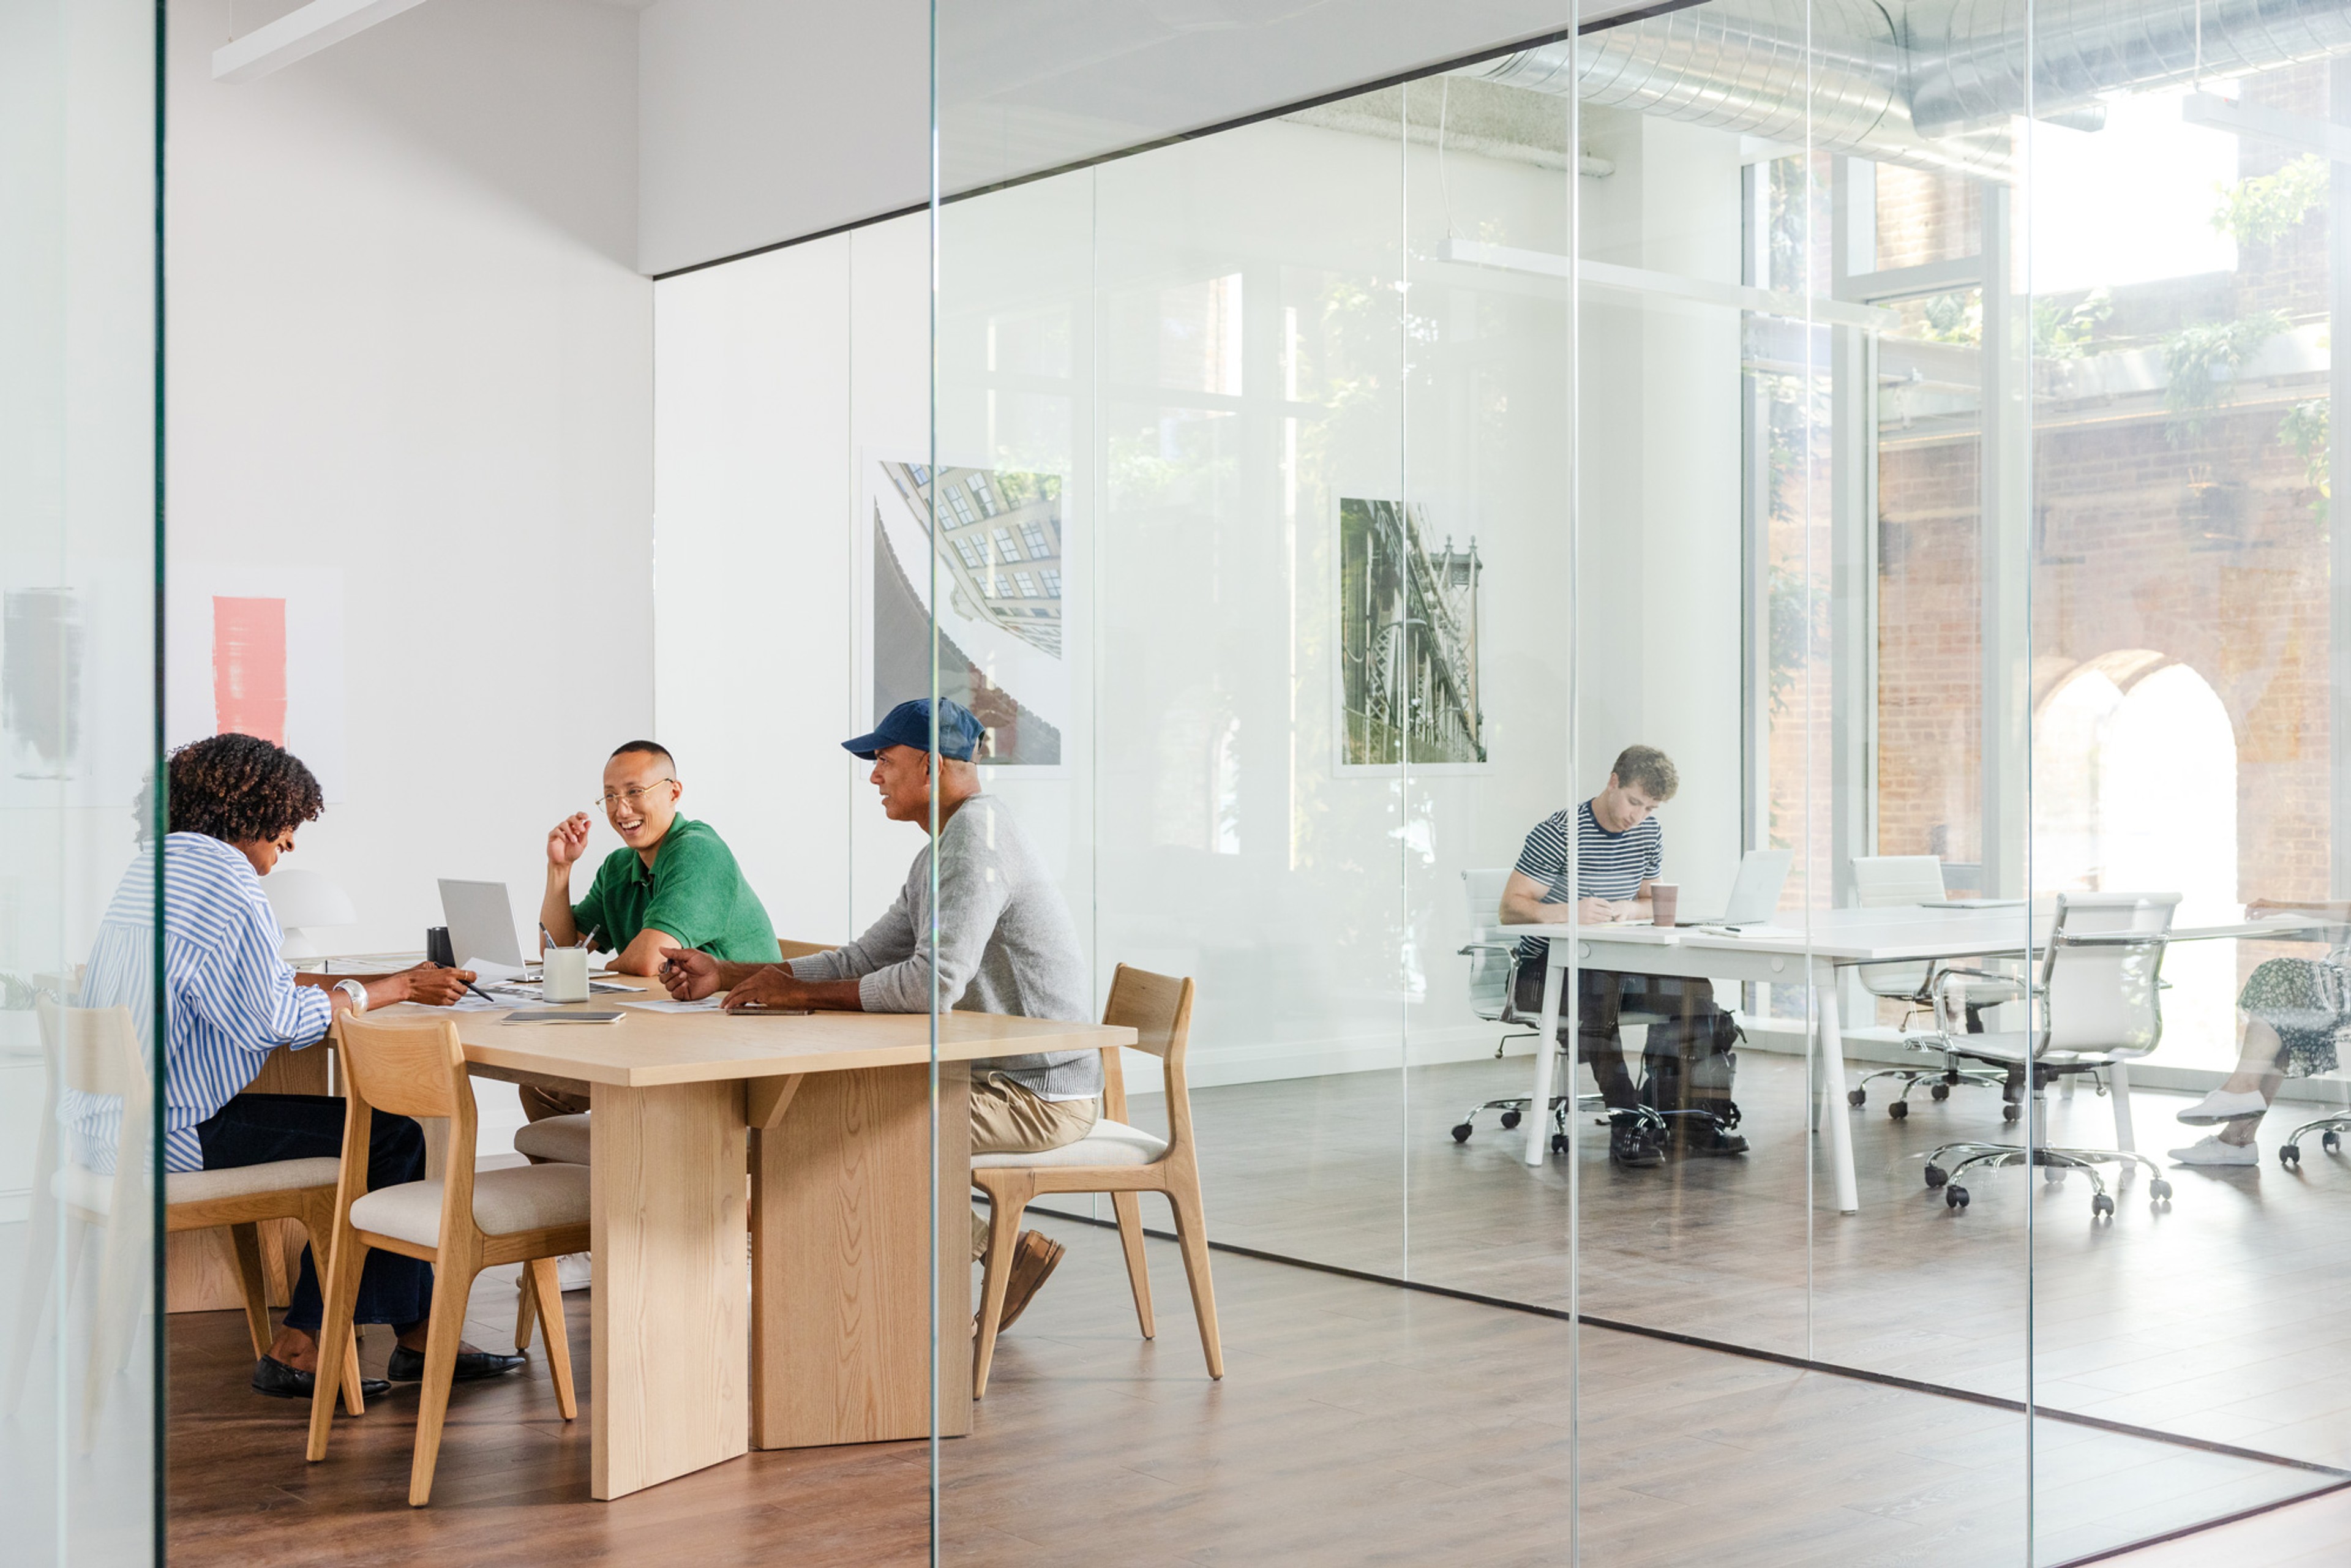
786,948
1881,881
2105,999
96,1051
1489,956
409,1069
1158,1008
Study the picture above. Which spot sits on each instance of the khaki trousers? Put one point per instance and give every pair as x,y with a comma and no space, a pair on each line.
1007,1119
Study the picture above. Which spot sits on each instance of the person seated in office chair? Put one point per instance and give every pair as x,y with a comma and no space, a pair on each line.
1618,847
235,802
1007,945
671,883
2296,1009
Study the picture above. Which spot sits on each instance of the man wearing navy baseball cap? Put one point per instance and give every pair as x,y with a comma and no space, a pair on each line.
1007,945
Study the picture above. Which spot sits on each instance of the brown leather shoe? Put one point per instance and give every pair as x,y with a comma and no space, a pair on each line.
1034,1258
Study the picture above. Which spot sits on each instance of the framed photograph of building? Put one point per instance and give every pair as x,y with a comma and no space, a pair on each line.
1408,641
1002,599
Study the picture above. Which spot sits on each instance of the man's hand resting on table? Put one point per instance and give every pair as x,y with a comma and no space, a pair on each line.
690,975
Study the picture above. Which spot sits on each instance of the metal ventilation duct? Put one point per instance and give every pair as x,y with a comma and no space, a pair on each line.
1934,89
1973,63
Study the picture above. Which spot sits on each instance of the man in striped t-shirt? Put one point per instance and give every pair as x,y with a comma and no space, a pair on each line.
1616,852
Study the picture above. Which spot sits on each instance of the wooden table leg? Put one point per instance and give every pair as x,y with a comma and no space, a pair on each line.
666,1221
842,1248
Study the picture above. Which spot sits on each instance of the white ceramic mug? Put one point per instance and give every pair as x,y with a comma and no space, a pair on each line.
566,975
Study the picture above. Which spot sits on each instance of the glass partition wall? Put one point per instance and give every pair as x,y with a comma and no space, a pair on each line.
78,1104
1914,426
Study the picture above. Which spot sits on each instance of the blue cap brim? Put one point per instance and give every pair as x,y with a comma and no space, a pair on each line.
866,747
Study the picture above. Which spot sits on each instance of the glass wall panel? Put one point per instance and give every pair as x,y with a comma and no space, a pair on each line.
77,587
1901,522
2186,262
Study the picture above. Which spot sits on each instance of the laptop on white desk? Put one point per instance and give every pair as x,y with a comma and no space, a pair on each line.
1755,897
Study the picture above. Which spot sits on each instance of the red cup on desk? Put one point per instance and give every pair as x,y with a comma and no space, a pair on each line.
1663,898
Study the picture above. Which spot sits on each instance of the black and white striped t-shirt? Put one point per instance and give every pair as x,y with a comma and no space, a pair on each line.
1609,865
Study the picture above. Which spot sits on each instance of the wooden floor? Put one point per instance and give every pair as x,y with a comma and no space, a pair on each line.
2225,1317
2300,1535
1358,1423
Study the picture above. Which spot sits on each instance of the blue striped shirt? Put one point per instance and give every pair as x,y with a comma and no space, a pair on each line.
1608,865
230,998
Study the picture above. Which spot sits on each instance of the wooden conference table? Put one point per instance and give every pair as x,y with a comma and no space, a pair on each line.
1811,956
837,1348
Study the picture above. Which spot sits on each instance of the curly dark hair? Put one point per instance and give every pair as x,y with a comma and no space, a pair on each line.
240,787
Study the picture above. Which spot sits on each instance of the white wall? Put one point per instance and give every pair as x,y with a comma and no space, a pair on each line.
406,340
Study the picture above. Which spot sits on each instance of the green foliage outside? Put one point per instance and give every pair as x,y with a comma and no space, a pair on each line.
2304,428
2265,208
2200,360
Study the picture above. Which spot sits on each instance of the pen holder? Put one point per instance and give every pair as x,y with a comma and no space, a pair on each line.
436,948
566,975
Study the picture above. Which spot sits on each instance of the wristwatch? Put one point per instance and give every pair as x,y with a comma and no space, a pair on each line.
357,992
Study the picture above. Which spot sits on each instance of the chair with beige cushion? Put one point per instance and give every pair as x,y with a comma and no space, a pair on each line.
95,1052
1115,1158
461,1224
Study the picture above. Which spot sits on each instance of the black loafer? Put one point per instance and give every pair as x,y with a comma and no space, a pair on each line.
279,1381
473,1365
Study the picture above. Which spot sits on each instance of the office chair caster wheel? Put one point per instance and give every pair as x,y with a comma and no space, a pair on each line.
1558,1143
1955,1198
2011,1112
1509,1120
1937,1176
2101,1205
2290,1156
1898,1110
1461,1132
1939,1092
1857,1096
2331,1142
2159,1190
2053,1176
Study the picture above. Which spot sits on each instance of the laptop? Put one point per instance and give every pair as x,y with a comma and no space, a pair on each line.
481,921
1754,897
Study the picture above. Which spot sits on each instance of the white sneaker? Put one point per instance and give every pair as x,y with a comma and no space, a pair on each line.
577,1270
2211,1151
2221,1106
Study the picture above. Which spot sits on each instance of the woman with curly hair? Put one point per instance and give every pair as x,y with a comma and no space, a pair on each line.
235,803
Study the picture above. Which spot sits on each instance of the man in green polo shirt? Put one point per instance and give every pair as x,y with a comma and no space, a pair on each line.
673,884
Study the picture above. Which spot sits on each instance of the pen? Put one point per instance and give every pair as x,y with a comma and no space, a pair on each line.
545,938
481,993
588,941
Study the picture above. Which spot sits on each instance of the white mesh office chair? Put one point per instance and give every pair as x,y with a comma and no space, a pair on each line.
1889,882
2100,1009
1493,992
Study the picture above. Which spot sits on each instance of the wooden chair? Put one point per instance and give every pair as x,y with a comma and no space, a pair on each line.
563,1140
95,1052
1117,1159
461,1225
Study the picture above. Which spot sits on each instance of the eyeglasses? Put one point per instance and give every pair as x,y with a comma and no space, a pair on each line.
630,797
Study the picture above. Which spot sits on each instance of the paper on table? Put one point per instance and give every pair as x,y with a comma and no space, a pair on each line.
664,1005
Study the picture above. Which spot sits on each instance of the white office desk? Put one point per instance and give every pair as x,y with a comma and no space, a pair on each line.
1810,956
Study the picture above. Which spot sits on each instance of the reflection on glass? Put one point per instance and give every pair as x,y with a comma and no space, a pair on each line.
77,584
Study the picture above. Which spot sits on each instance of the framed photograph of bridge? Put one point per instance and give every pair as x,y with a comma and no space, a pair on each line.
1408,610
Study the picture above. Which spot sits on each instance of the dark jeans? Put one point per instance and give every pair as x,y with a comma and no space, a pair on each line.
1603,998
255,1129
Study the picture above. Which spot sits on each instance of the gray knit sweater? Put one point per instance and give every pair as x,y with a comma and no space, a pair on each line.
1007,945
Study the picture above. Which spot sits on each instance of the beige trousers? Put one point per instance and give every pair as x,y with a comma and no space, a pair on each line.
1007,1119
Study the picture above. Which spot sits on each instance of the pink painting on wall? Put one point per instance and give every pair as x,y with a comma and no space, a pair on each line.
249,668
